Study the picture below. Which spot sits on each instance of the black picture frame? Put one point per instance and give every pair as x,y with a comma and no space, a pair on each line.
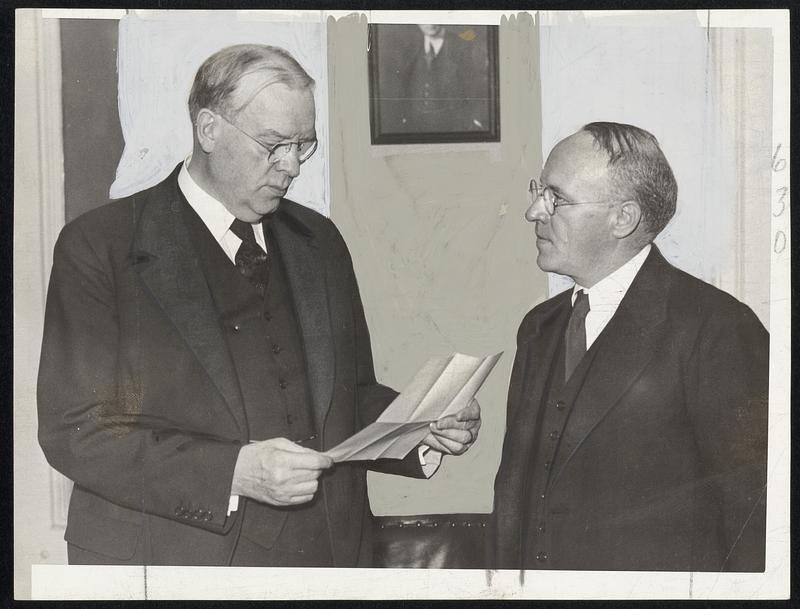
452,96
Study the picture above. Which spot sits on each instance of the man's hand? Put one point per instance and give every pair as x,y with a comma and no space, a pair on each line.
278,472
454,434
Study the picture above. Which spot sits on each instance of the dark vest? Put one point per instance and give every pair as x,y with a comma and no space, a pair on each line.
553,414
265,345
434,95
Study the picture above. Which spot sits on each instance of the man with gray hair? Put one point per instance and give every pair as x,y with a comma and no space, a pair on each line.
205,343
637,409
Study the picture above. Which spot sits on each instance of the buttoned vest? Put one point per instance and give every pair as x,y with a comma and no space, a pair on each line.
265,345
552,418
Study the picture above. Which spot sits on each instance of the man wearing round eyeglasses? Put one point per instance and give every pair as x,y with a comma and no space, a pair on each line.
205,342
637,409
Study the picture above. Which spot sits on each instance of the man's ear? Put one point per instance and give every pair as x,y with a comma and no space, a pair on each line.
207,130
626,219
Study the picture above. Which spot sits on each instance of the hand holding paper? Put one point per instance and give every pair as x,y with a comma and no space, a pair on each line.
278,472
455,433
444,389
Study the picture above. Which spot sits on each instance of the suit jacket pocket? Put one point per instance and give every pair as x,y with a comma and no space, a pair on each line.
100,526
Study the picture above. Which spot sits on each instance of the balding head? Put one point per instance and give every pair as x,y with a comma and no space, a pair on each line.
230,79
589,209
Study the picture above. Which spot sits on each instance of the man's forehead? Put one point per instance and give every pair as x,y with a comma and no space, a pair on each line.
578,153
279,107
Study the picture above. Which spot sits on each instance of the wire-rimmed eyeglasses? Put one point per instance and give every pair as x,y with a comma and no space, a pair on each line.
553,201
277,152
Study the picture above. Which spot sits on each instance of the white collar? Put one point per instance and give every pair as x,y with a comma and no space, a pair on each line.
611,289
434,43
211,211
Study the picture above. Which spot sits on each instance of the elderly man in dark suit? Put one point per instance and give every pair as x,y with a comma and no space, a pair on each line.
204,341
637,411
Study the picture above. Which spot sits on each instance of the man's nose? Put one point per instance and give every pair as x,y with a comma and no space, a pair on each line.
290,163
536,211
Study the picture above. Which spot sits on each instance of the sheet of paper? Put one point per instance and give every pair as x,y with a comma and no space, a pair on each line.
376,441
443,386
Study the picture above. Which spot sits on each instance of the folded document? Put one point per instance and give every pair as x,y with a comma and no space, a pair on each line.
442,387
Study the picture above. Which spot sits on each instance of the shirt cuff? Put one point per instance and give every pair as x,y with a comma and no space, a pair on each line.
233,504
429,459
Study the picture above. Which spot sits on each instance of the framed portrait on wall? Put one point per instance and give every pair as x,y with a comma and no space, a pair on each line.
433,83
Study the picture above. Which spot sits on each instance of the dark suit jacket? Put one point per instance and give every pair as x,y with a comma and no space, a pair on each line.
662,462
139,402
448,96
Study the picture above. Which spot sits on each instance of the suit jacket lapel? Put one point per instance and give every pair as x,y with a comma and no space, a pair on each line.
167,263
618,356
308,282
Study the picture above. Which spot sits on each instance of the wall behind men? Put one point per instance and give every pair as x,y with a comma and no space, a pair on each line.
444,259
92,136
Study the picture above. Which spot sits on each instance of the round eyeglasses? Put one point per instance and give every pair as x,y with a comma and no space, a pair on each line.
278,152
553,201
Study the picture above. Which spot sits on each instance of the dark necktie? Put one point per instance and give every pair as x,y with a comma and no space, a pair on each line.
251,260
575,338
429,55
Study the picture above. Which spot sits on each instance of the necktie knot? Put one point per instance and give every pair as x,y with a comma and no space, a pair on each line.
251,260
243,230
581,306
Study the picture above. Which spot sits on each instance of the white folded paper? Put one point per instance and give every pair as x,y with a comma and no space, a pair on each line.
443,386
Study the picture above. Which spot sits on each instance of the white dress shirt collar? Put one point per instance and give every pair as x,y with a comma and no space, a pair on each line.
211,211
610,290
434,43
606,294
214,214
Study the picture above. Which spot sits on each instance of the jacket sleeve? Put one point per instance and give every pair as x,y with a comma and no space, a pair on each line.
730,368
92,427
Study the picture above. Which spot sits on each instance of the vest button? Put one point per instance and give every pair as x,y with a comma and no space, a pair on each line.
547,464
553,435
276,349
236,327
289,419
561,405
283,384
541,496
267,315
540,527
541,556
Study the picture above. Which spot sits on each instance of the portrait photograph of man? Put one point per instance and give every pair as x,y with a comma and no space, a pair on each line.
433,82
